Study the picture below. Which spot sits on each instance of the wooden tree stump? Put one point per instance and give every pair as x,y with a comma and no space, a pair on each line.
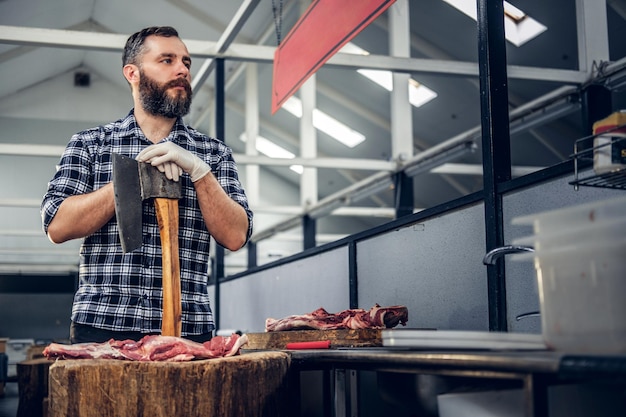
254,384
32,381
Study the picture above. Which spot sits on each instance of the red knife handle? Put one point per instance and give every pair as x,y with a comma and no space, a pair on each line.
320,344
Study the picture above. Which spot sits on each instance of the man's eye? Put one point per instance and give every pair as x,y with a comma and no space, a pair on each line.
167,61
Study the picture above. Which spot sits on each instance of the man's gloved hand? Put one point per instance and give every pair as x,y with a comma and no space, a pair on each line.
163,155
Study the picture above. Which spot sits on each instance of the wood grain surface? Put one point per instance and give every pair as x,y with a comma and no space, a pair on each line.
338,338
253,384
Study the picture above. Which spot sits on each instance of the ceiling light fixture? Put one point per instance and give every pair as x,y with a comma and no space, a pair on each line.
519,28
326,124
419,94
269,148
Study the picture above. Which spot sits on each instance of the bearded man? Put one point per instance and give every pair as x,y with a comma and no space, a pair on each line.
119,294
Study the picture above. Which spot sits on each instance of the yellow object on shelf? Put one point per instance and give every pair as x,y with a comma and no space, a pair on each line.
610,146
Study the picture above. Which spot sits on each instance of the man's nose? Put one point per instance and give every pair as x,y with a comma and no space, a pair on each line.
182,69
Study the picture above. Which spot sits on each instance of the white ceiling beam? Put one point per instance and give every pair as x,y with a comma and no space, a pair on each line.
30,268
20,202
225,40
476,169
253,179
593,35
21,232
62,38
400,110
386,212
293,237
308,142
40,251
17,35
86,25
436,66
18,149
338,163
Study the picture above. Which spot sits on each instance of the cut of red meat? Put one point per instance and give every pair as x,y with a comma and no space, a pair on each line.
150,348
376,317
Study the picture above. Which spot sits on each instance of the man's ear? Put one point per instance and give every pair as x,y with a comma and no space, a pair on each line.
131,73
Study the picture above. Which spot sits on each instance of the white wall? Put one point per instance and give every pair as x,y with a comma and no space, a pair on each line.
433,267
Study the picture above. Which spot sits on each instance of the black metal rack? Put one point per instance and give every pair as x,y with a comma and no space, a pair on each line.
615,179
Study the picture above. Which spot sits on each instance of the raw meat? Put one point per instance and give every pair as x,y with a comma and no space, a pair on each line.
150,348
376,317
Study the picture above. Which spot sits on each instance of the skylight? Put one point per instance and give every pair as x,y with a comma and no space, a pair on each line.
419,94
326,124
519,28
269,148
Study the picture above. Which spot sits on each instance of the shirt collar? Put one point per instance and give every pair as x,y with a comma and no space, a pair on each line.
179,133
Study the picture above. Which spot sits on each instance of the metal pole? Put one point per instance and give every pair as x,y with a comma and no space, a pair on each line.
252,254
353,276
496,145
404,199
309,227
596,105
220,122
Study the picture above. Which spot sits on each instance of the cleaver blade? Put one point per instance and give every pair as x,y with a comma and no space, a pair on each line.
128,202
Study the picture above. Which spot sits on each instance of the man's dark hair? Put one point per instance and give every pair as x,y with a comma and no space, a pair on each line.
134,47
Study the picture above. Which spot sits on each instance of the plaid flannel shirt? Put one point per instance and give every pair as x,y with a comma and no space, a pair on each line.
123,291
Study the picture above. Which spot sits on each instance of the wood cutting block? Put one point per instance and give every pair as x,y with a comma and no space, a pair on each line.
32,382
338,338
252,384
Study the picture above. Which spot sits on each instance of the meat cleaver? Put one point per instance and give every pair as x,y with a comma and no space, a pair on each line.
134,182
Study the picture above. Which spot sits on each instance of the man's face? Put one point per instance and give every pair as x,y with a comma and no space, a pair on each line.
164,83
171,99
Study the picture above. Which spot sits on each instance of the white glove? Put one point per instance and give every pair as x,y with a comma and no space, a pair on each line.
164,154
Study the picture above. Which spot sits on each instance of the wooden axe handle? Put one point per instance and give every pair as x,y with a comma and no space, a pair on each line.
167,216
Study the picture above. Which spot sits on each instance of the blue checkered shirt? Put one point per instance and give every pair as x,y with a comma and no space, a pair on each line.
123,291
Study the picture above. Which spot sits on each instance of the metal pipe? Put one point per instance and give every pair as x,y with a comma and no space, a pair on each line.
493,255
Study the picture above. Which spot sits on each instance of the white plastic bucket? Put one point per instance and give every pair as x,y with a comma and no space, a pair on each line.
582,293
580,261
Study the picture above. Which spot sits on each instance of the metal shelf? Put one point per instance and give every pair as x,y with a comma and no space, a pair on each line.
615,179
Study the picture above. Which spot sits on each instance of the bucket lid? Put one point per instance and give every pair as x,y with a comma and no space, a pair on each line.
575,250
556,219
604,230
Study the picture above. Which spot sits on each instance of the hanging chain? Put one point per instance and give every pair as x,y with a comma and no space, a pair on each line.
278,18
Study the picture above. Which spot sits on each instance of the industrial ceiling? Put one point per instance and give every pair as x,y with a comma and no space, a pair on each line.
60,66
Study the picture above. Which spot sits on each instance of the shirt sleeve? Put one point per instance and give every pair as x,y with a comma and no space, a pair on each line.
228,177
73,177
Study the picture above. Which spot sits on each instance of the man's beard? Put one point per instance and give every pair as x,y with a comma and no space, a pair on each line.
156,100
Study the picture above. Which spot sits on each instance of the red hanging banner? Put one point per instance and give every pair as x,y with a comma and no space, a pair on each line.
324,28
